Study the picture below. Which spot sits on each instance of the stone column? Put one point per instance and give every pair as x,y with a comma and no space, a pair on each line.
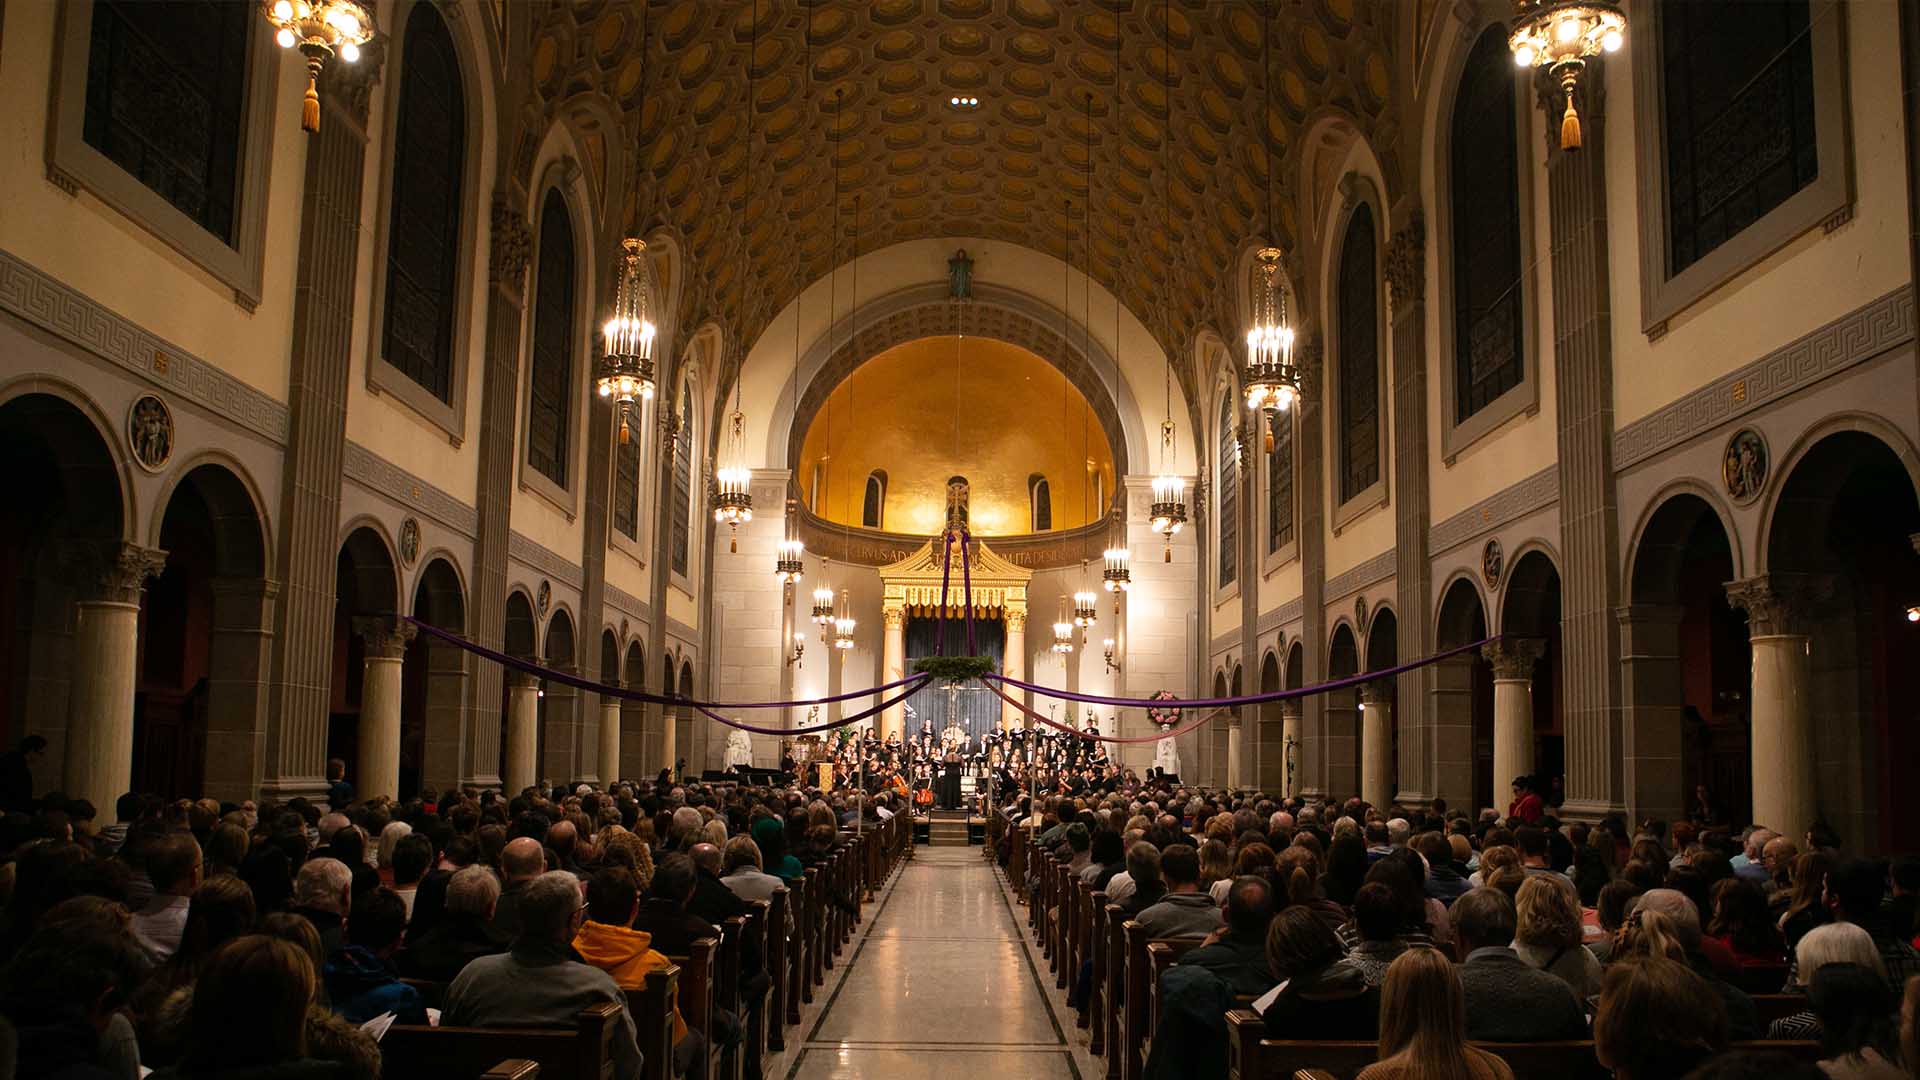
523,735
670,736
1450,712
1015,663
1406,273
1376,743
561,753
893,665
106,653
1512,660
1291,746
608,764
386,653
1784,767
1236,753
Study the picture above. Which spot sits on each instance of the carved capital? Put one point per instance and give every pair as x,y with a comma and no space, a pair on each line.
1307,357
894,618
350,86
1778,604
1290,709
1377,692
386,637
522,680
112,571
1017,620
511,248
1407,262
1514,658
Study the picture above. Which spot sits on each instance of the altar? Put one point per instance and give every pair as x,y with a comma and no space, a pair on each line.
912,590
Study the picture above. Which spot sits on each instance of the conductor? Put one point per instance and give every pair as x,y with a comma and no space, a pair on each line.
950,780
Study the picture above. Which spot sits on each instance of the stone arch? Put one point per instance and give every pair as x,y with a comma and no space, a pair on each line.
520,635
241,529
684,725
366,594
1530,609
1783,509
1462,705
637,739
433,690
560,705
369,574
1383,648
1340,715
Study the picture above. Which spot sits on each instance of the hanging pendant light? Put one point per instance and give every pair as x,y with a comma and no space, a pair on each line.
624,375
844,623
823,605
1084,613
1561,36
1169,488
732,502
1270,379
1062,630
321,30
789,561
1117,575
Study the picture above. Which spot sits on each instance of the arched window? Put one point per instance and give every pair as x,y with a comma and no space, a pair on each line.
1280,484
626,485
873,508
682,528
550,369
1359,395
1228,498
1488,328
1040,502
423,225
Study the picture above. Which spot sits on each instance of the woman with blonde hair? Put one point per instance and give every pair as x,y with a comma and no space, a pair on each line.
1216,863
1657,1020
1547,934
1423,1025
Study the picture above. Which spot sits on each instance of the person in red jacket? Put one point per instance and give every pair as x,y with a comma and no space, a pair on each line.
1526,804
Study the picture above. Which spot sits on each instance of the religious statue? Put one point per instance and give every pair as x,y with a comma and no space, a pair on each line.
739,749
1166,755
1744,470
960,276
150,430
957,500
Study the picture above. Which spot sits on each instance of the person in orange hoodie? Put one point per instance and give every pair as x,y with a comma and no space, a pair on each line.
607,941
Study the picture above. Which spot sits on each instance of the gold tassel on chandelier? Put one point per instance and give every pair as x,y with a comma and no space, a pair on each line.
1570,120
310,108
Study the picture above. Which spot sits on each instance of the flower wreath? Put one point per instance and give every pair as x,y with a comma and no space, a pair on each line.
1164,715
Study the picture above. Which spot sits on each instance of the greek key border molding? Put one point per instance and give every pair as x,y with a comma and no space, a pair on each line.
1857,336
67,313
1536,492
1378,568
626,603
539,558
376,473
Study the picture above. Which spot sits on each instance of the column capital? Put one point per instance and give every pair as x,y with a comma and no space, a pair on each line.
1513,658
522,680
113,571
1377,692
1407,262
1290,709
511,246
1016,620
1778,604
893,616
386,636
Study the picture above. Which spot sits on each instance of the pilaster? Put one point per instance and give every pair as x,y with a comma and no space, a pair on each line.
1406,273
1310,756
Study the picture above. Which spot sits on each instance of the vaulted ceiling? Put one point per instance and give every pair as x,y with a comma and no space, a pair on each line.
856,92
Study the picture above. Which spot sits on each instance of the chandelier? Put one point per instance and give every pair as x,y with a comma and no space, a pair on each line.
844,623
823,606
1169,511
1561,36
320,29
1084,614
788,564
1272,381
1062,631
732,502
625,373
1116,576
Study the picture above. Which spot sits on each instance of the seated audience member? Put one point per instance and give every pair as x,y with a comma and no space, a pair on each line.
323,894
1547,935
1859,1037
608,942
462,933
1144,886
1324,998
1376,942
1423,1025
1184,911
390,836
1657,1020
771,837
359,976
1855,889
412,855
1296,877
1802,902
174,867
1834,943
1106,859
248,1018
1507,1001
536,983
521,861
1237,952
714,902
1610,913
1445,882
743,874
62,992
1685,919
663,913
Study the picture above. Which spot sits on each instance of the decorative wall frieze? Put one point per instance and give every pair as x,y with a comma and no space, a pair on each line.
1378,568
1291,612
66,313
628,604
1536,492
529,553
1406,268
1853,338
376,473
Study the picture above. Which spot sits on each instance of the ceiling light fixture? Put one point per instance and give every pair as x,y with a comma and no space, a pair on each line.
790,559
625,373
321,30
732,497
1169,488
1560,36
1270,380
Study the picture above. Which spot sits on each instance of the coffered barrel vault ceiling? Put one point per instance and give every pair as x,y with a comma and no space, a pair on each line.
1010,169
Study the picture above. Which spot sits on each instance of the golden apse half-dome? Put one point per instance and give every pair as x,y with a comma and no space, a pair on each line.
926,410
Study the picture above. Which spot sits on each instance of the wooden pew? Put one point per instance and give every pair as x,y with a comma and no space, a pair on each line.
1097,1003
1017,868
726,990
1162,953
651,1007
1115,948
698,971
779,963
814,934
761,1014
582,1052
1133,1026
513,1069
1250,1057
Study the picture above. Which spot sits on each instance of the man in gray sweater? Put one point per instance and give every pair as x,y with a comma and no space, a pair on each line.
1507,1001
1185,911
537,983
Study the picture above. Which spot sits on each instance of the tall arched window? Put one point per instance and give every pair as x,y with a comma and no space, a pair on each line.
1229,495
1359,362
873,506
626,485
1488,328
681,536
550,369
1040,502
1280,484
423,225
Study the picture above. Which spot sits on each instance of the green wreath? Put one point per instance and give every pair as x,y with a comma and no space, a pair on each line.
954,669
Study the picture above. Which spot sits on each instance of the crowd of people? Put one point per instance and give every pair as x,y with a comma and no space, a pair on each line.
927,768
253,940
1425,930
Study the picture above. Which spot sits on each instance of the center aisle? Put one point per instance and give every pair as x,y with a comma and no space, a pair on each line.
941,984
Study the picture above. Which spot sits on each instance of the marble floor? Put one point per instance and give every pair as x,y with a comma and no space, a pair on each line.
941,979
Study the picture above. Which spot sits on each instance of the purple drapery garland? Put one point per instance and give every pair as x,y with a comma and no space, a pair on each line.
1249,699
946,576
966,585
1070,730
